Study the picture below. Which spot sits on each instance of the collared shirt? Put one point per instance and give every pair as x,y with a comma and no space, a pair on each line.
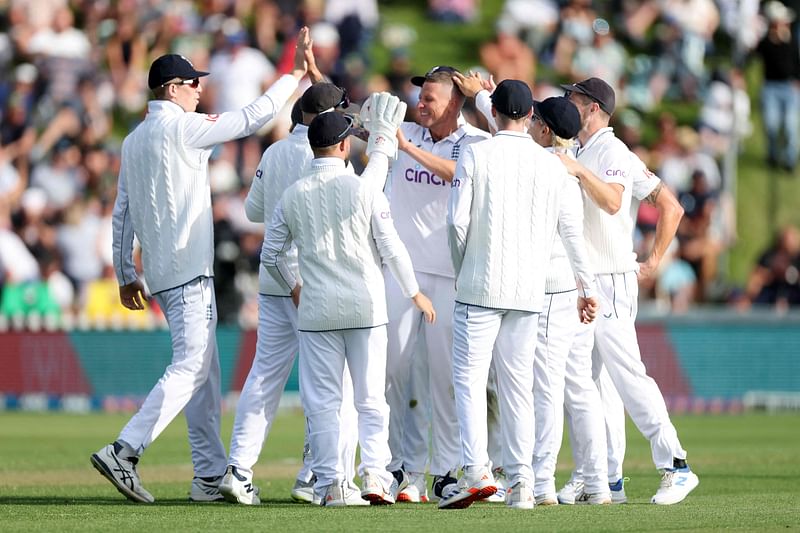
418,197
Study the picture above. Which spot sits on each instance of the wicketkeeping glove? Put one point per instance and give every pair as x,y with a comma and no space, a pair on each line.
382,114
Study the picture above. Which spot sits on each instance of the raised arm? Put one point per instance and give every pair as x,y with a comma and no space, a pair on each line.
203,131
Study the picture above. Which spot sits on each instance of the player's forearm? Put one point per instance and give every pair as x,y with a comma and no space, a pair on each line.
607,196
376,170
670,213
444,168
484,104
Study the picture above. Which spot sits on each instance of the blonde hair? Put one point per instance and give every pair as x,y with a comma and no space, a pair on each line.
560,142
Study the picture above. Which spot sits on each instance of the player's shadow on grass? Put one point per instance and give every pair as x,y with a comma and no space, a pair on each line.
165,502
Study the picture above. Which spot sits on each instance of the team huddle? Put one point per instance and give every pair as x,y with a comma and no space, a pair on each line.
448,306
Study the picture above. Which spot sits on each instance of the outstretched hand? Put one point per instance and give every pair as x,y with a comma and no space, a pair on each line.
301,50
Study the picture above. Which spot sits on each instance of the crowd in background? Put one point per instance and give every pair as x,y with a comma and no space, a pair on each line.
74,83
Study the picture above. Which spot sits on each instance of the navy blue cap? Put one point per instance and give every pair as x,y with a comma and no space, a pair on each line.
171,66
323,96
597,90
512,98
328,129
560,115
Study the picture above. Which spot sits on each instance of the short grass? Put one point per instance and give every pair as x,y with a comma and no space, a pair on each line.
747,465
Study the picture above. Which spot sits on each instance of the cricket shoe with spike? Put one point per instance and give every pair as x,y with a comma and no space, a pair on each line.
475,484
121,472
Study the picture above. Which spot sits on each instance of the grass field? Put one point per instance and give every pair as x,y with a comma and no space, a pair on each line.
748,467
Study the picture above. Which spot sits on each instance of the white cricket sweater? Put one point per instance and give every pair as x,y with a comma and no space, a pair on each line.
164,195
505,206
282,164
609,237
560,277
343,230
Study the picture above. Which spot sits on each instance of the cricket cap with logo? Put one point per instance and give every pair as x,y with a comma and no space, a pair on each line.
512,98
170,66
597,90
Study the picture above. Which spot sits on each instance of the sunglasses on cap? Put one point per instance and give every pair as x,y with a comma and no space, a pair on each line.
193,83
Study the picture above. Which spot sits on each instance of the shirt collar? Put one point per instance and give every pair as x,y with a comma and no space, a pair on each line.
453,137
511,133
328,161
164,106
593,139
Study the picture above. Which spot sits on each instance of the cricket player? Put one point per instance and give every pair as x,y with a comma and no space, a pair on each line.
563,358
504,212
418,189
282,164
611,177
343,230
164,199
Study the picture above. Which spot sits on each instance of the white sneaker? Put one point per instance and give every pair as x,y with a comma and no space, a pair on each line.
520,496
206,490
571,492
121,473
237,487
600,498
352,495
376,492
476,483
545,500
675,486
303,491
334,495
415,491
501,483
618,491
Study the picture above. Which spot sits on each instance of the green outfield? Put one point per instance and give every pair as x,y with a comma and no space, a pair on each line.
748,467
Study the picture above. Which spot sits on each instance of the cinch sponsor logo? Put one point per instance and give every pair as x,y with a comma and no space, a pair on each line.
259,174
456,183
423,176
386,215
610,172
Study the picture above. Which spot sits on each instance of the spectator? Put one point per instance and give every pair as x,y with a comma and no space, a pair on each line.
776,278
780,95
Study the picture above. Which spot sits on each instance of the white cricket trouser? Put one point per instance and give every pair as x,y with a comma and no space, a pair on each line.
276,349
618,350
418,415
191,381
405,325
494,445
477,332
322,362
563,377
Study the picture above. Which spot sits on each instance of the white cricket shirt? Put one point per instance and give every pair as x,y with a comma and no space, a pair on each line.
418,198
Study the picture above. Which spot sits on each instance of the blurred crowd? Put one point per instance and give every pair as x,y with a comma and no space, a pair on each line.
74,83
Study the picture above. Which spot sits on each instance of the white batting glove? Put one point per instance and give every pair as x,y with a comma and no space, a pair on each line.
382,114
